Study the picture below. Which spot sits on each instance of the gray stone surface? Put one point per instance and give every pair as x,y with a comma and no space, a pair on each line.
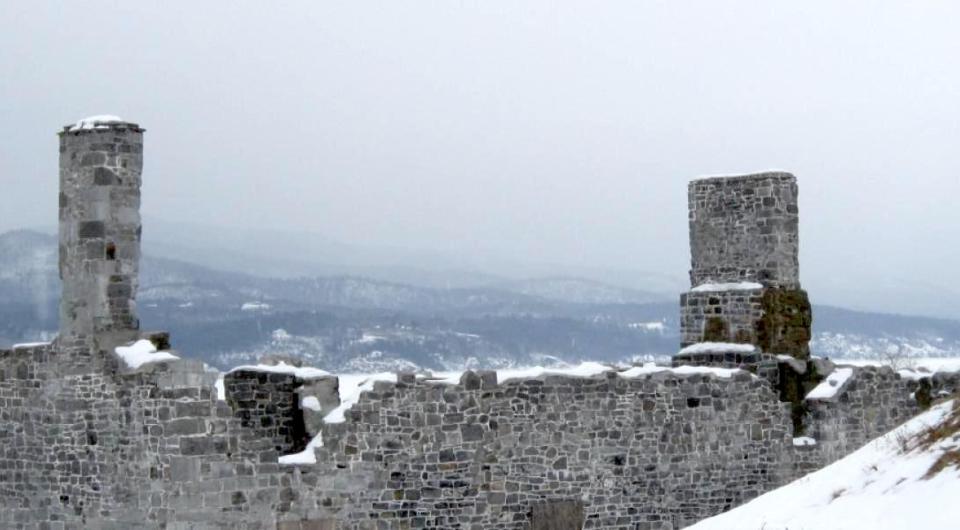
745,228
327,392
100,176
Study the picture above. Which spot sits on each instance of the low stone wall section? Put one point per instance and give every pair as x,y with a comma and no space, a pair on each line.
659,451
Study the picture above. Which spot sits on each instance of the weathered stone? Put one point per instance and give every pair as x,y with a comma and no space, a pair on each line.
744,265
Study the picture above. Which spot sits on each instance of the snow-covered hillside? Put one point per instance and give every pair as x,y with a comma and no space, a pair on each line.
904,480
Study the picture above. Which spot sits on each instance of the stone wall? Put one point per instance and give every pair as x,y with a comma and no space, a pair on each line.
723,316
154,448
268,404
659,451
872,402
776,321
745,228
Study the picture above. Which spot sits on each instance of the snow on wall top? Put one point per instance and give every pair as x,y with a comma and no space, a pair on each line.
829,387
99,122
719,287
718,347
142,352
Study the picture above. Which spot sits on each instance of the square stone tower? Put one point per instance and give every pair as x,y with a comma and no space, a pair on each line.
101,159
745,283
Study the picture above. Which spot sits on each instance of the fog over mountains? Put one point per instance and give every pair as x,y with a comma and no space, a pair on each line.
231,298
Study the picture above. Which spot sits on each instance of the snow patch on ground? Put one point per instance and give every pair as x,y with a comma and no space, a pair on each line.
878,486
709,347
648,326
719,287
367,338
142,352
927,365
829,387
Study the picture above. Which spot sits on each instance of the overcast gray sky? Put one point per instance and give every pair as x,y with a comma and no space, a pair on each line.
550,131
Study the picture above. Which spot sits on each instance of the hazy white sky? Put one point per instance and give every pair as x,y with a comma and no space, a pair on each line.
552,131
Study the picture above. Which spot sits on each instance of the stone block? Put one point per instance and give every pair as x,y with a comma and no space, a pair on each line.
557,515
183,469
91,229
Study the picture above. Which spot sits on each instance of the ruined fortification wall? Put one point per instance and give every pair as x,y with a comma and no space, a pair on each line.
154,448
659,451
873,401
89,443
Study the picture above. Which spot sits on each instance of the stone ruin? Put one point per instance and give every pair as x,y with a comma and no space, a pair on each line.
90,440
745,274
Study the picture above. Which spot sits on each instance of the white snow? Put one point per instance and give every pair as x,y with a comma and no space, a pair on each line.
829,387
648,326
586,369
30,345
351,386
707,347
96,122
925,366
733,174
307,456
254,306
310,402
718,287
142,352
878,486
283,368
803,441
221,391
651,368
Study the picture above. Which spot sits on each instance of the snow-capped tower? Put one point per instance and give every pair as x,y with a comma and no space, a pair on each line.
101,159
745,281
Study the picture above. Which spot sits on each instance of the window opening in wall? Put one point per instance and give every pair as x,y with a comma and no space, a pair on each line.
111,251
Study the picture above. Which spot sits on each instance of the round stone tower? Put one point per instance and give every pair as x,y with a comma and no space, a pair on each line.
745,298
101,159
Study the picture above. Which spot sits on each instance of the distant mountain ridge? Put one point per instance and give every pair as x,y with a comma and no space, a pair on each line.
357,323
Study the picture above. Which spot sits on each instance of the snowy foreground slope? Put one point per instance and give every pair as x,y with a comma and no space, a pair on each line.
904,480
